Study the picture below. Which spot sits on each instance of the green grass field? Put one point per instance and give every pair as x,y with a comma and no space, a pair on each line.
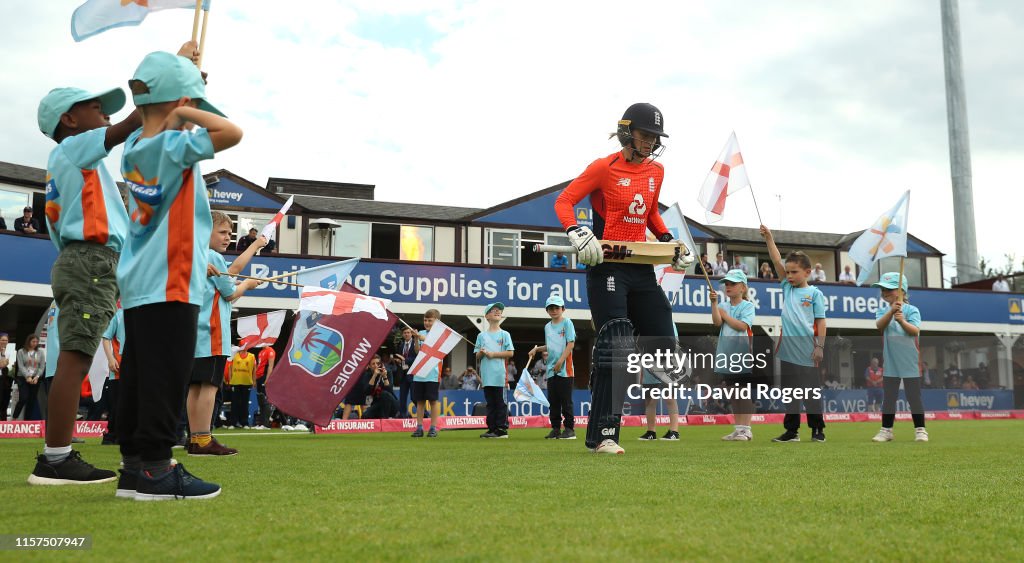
457,497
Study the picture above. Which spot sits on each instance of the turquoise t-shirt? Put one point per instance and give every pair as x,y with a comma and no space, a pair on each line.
115,333
82,201
556,338
900,351
493,370
165,258
432,376
800,307
213,331
732,341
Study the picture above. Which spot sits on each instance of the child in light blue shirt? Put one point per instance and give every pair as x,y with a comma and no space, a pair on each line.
493,350
900,323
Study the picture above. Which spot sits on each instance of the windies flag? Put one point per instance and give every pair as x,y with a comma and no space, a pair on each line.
887,237
728,175
260,330
97,16
270,230
326,355
327,302
440,341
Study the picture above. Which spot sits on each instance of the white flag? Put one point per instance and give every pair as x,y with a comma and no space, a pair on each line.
260,330
270,230
886,237
441,340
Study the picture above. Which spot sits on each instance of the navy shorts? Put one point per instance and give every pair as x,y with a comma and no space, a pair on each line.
424,391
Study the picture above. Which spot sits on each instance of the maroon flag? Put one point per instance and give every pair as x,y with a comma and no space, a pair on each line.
326,355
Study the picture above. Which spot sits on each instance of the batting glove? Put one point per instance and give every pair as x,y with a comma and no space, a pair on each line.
588,249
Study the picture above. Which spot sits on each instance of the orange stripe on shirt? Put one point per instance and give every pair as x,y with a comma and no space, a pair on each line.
569,371
94,209
180,235
216,347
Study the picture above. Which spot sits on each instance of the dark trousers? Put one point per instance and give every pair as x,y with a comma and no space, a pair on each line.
560,397
497,410
261,400
239,415
912,386
160,342
6,384
403,395
110,390
27,401
804,378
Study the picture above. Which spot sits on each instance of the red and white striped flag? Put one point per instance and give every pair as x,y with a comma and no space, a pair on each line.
669,279
270,231
727,176
260,330
327,302
440,341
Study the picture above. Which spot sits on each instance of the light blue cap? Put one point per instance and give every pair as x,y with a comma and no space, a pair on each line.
497,304
169,77
890,280
554,300
735,276
60,100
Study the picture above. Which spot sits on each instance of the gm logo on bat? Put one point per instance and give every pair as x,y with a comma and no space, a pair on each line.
616,251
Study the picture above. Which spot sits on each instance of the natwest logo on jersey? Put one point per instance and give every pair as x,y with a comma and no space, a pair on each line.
637,210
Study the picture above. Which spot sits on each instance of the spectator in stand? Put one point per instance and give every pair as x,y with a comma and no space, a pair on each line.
766,272
31,367
6,382
539,370
383,403
26,224
264,365
873,382
394,368
926,376
704,266
247,240
1001,284
970,384
817,274
982,378
847,276
511,375
449,380
738,265
407,349
470,380
721,266
560,261
357,395
953,377
243,367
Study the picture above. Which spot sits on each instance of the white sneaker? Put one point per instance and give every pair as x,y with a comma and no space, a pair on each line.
737,436
609,447
885,435
259,427
287,428
301,428
920,435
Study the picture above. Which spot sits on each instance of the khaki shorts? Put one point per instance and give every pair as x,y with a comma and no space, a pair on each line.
84,282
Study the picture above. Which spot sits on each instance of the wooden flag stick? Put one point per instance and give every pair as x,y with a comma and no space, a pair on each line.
900,284
195,20
202,37
267,280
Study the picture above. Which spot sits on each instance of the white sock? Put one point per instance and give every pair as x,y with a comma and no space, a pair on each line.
56,455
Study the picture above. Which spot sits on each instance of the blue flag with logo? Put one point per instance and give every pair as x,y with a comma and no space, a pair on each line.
886,237
97,16
527,390
329,276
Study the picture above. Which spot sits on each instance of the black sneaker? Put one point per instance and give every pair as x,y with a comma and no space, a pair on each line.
567,434
72,471
501,433
109,440
176,484
553,435
489,434
817,435
787,436
418,433
671,435
127,483
181,443
649,435
432,433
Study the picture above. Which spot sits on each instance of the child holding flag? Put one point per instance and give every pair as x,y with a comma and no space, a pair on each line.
493,349
163,269
802,342
425,385
900,324
559,340
735,342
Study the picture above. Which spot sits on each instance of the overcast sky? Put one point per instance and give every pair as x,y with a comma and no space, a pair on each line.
839,106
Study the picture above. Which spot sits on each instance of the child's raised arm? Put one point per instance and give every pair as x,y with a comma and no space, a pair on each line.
223,133
773,251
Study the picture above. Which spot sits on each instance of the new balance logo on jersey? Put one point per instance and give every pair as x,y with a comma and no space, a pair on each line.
607,431
624,182
610,287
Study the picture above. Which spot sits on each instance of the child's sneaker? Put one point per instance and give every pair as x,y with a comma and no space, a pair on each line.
567,434
817,435
884,435
176,484
609,447
432,433
920,435
287,427
418,433
671,435
127,483
647,436
300,428
501,433
738,436
488,434
787,436
214,448
72,471
553,435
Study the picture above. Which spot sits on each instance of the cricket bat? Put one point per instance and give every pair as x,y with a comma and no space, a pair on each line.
627,252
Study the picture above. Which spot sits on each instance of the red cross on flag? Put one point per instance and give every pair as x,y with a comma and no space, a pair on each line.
260,330
440,341
327,302
270,230
669,279
727,176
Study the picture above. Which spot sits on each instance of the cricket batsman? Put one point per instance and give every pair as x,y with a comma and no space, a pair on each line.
625,299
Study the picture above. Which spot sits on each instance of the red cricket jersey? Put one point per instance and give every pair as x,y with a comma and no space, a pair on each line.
624,196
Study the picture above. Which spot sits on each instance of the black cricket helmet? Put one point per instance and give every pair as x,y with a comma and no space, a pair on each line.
642,116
